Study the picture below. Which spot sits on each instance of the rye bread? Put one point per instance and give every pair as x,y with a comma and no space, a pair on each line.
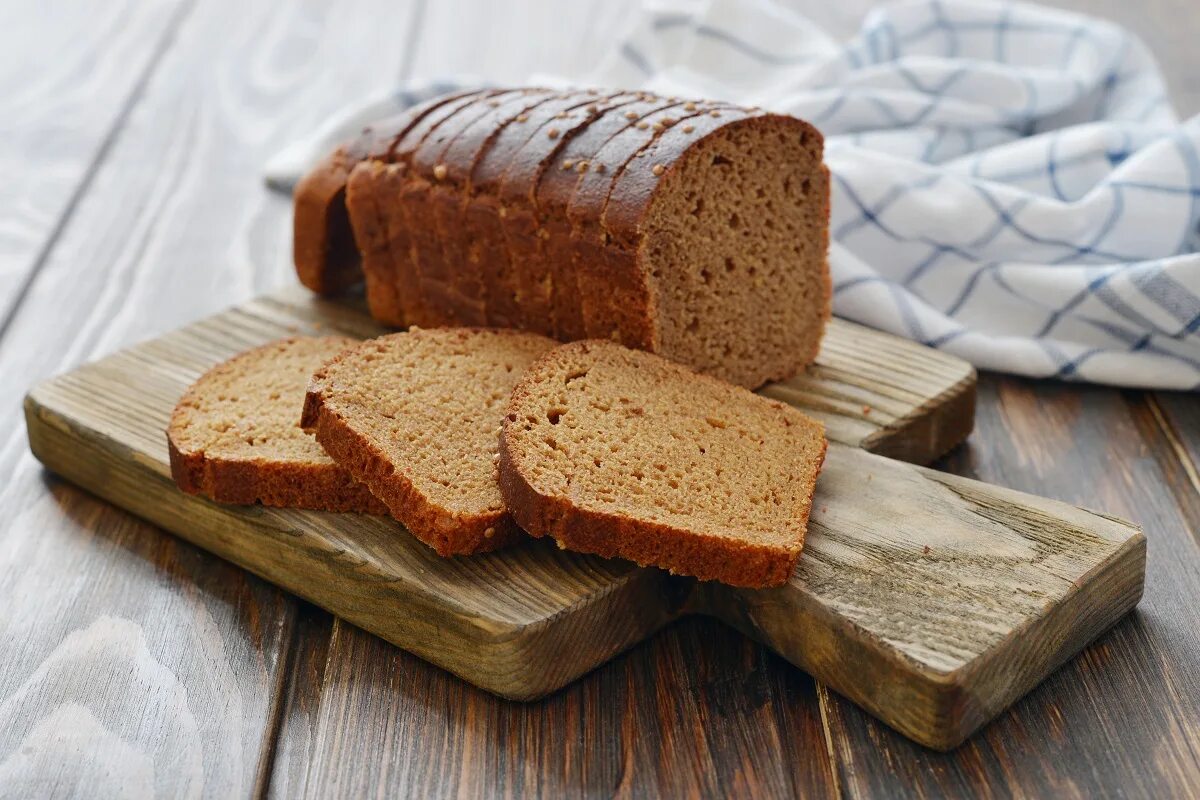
505,182
725,217
438,259
554,192
622,453
366,202
506,281
633,302
234,437
699,231
415,416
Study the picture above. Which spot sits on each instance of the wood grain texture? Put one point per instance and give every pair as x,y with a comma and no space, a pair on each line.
132,663
936,601
697,711
960,596
1123,718
297,731
82,74
1176,427
137,665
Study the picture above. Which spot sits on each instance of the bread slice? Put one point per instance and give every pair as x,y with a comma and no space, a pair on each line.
437,304
622,453
442,278
630,289
234,435
451,174
416,416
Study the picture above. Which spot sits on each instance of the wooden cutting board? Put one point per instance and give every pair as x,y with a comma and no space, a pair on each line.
931,600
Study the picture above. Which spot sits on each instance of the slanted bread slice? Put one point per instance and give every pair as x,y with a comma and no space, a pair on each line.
234,435
622,453
416,416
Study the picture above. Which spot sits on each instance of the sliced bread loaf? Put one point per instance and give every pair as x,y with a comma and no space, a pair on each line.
234,435
622,453
416,416
691,229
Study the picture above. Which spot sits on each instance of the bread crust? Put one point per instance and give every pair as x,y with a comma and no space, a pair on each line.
512,301
524,223
450,175
437,303
284,486
554,192
365,202
323,248
647,543
326,258
550,313
632,302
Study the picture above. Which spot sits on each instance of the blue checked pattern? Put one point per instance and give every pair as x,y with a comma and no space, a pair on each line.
1010,184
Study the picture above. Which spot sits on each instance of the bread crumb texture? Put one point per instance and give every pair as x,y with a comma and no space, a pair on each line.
622,453
234,436
735,245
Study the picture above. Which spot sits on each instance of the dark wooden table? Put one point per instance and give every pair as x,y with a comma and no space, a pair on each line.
133,138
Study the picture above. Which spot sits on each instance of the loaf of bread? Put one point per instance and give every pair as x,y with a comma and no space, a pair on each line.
695,230
416,417
235,436
622,453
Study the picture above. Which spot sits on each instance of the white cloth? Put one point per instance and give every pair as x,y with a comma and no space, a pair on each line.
1011,184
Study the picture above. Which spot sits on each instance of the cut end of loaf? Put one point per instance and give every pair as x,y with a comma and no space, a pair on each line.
735,245
323,248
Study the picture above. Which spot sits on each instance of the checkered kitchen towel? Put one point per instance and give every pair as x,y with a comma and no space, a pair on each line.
1011,184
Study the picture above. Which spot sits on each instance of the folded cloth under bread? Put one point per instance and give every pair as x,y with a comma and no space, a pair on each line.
1011,184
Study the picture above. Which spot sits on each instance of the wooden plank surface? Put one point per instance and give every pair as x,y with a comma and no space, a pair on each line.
698,711
1120,720
131,663
61,114
931,600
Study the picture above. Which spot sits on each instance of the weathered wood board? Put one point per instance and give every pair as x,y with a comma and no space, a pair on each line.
931,600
